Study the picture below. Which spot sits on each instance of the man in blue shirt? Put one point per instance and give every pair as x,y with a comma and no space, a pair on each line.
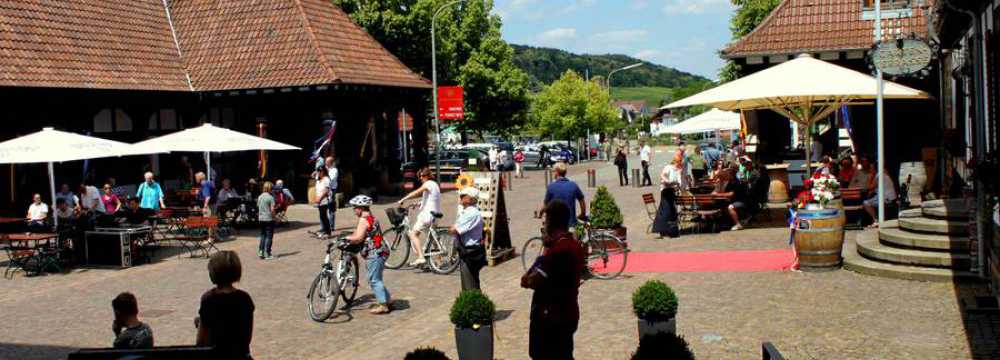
712,155
469,231
566,191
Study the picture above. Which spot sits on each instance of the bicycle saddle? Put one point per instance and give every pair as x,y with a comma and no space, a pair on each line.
437,215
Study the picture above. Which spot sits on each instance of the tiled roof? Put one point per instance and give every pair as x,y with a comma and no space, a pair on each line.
637,106
797,26
88,44
224,44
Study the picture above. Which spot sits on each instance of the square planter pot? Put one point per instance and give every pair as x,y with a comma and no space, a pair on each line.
474,344
653,327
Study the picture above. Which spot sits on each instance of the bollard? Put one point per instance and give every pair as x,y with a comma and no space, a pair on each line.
548,177
591,178
510,180
635,178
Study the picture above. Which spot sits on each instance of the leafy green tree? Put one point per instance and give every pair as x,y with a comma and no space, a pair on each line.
571,106
470,53
748,15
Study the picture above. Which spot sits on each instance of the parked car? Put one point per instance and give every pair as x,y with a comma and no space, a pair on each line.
508,165
568,152
450,157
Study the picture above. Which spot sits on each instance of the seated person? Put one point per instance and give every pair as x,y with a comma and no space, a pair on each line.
132,213
282,196
64,211
38,214
130,333
863,176
846,173
737,192
871,205
112,203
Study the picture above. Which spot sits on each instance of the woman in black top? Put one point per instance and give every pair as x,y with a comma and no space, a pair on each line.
621,161
226,315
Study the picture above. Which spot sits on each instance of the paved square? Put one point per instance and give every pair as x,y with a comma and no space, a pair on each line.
831,315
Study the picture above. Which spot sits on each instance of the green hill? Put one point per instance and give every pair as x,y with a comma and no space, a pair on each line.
544,65
653,95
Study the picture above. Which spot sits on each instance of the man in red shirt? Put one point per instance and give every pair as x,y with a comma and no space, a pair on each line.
555,278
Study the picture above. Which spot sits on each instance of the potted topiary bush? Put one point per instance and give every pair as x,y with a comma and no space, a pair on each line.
605,214
472,315
663,346
426,354
655,304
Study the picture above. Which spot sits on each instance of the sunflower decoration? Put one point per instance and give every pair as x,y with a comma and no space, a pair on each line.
463,181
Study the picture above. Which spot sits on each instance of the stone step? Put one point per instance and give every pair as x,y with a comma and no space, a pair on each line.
891,234
934,226
952,209
869,246
853,261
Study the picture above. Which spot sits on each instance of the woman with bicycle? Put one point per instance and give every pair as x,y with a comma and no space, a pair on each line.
430,204
368,235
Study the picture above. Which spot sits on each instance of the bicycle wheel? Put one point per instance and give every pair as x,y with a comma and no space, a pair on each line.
531,251
443,255
323,296
608,256
348,279
399,248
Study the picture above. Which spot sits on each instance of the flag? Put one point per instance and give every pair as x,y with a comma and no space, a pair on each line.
845,119
323,141
744,129
262,155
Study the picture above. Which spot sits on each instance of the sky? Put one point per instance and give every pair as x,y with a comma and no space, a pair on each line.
683,34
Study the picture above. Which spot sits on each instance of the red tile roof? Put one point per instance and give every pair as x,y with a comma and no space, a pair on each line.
88,44
797,26
224,44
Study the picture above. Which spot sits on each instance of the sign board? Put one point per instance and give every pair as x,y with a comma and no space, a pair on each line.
451,103
902,57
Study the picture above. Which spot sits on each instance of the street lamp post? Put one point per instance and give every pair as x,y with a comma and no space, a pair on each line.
879,120
629,67
434,80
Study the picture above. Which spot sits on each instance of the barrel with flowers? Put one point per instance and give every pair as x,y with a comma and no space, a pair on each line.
818,224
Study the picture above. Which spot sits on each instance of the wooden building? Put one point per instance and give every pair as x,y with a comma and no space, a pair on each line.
131,70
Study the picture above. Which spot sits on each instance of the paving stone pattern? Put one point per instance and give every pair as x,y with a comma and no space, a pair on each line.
830,315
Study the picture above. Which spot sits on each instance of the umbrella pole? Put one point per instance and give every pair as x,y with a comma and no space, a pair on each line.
52,191
208,164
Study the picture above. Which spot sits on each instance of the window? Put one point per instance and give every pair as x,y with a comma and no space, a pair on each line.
106,121
165,119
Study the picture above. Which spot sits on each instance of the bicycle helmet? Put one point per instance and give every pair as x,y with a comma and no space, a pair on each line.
360,200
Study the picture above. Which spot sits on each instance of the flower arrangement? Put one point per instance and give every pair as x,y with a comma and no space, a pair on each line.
821,189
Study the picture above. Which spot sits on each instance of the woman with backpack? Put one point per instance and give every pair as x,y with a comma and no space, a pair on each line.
368,234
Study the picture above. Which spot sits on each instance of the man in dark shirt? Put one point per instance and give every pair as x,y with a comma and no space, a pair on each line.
225,319
737,192
130,333
555,278
565,190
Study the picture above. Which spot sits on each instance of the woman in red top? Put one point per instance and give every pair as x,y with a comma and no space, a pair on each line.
111,201
847,170
374,252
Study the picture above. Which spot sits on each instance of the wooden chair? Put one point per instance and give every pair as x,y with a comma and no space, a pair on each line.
708,209
650,203
18,258
852,199
686,212
195,236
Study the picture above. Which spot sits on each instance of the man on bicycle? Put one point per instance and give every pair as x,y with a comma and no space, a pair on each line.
430,204
565,190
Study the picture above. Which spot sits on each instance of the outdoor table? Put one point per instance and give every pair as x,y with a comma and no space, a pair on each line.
11,220
43,259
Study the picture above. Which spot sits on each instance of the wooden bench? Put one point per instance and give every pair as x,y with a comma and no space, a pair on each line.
197,234
852,199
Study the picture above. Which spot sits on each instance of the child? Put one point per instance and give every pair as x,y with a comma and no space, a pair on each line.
130,333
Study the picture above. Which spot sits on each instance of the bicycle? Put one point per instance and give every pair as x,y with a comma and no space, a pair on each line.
439,249
606,253
334,282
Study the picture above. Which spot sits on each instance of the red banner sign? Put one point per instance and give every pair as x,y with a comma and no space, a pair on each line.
451,103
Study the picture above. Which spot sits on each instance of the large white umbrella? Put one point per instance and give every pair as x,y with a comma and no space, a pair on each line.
52,146
208,139
711,120
804,90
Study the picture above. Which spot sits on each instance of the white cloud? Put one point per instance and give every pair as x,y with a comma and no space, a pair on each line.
557,36
647,54
639,4
619,37
696,6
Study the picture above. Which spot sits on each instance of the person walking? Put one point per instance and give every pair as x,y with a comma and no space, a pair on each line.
671,182
225,318
375,251
555,278
323,203
150,194
565,190
430,204
266,208
646,157
621,161
468,230
519,163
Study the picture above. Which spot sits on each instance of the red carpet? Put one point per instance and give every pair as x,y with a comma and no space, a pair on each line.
707,261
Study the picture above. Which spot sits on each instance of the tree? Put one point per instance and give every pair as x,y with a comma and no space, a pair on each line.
571,106
748,15
470,53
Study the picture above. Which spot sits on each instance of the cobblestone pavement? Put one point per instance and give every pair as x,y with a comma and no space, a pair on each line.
831,315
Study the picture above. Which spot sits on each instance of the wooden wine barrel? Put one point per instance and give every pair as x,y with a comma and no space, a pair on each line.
838,204
819,239
778,190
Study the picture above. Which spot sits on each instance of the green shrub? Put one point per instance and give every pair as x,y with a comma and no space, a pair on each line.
655,301
663,346
426,354
604,212
472,309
